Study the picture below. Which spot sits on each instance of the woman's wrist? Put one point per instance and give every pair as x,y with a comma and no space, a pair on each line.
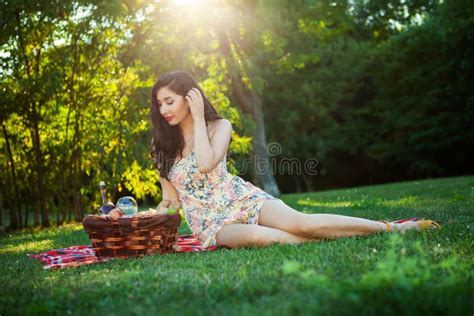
168,203
176,204
164,203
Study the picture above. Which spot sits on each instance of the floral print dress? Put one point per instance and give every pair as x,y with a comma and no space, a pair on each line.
211,200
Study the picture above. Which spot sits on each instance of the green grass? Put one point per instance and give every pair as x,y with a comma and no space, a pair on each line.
417,272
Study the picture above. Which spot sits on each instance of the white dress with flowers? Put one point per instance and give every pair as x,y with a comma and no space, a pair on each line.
211,200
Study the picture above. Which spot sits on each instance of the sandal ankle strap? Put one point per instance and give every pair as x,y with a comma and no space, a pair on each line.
389,226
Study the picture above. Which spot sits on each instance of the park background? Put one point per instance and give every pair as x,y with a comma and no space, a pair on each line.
376,94
373,91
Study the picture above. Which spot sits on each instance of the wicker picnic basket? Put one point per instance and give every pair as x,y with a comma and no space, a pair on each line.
125,237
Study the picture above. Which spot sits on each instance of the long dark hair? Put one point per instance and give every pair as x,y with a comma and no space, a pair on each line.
167,141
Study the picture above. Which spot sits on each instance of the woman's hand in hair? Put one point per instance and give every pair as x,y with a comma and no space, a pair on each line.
196,103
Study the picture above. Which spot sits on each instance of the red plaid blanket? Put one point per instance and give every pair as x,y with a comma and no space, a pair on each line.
79,255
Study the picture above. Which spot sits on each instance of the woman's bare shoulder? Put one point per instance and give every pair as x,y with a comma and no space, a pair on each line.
213,124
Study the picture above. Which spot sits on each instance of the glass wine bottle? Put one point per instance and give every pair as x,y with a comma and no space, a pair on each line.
107,206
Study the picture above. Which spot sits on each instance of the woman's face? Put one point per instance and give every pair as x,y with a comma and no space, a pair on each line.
173,107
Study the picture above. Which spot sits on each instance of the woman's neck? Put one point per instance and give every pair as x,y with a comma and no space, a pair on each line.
187,125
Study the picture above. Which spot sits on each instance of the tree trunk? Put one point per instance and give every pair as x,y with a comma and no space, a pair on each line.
34,193
15,214
298,186
249,102
70,187
81,185
26,63
75,187
2,225
33,66
64,164
39,168
76,170
308,180
63,206
26,211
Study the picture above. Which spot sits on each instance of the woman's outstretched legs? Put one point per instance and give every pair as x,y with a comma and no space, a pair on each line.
278,215
242,235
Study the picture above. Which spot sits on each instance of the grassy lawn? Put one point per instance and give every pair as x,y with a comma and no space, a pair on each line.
417,272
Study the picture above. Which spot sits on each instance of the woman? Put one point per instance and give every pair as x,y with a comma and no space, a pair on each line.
189,147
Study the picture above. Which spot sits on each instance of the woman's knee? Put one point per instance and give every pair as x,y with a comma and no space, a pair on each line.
309,225
278,215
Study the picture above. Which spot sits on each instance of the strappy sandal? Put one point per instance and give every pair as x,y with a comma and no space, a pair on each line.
422,224
428,224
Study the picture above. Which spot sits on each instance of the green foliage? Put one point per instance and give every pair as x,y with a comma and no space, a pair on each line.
142,181
415,110
374,109
92,100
